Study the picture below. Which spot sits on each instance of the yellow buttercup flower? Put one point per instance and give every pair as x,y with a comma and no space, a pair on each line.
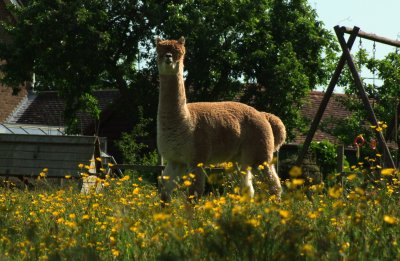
295,171
351,177
307,249
115,252
388,171
284,213
390,219
124,178
297,182
335,192
160,216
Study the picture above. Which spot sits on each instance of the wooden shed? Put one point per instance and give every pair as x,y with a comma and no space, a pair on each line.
28,154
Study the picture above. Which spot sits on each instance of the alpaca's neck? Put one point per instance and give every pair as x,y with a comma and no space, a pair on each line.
172,98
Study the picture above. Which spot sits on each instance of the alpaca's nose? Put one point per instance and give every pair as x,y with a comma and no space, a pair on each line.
168,58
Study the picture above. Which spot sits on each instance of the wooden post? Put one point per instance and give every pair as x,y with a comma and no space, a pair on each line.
369,36
340,158
393,125
325,100
361,91
96,155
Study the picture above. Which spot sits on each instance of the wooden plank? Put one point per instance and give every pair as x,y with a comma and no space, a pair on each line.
139,167
43,139
388,160
45,155
156,168
325,100
34,172
29,156
372,37
68,148
41,163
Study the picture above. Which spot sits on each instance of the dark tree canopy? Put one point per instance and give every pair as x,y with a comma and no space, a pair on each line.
74,47
267,53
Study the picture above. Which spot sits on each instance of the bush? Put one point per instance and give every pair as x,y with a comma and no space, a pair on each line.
326,156
136,152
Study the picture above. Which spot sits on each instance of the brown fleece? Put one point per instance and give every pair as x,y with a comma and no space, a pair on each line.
208,132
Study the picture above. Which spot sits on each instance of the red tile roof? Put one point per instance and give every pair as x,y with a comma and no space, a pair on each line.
334,109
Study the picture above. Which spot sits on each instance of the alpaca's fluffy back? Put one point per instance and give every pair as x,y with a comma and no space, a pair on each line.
278,128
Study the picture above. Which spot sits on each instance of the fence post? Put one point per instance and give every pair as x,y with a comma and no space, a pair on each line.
340,158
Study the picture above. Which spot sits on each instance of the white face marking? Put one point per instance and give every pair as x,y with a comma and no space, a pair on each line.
167,66
170,55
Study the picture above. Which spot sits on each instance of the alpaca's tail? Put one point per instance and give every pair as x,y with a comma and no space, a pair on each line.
278,128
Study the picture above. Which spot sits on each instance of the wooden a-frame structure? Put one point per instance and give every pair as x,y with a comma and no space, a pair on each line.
346,57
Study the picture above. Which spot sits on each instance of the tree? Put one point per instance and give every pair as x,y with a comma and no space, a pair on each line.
267,53
384,97
74,47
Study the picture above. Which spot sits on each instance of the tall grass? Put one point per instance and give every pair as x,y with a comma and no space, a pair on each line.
347,220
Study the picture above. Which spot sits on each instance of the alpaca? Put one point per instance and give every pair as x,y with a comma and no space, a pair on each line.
209,132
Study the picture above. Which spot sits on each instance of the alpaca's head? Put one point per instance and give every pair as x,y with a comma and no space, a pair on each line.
170,54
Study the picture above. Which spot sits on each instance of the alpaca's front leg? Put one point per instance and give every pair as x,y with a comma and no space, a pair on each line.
247,183
273,181
170,179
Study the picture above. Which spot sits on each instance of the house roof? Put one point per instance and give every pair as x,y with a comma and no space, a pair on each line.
47,108
9,101
333,110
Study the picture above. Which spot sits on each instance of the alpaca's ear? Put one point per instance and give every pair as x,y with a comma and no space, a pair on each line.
181,40
158,40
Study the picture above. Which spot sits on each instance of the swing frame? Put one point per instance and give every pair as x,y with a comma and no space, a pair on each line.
347,58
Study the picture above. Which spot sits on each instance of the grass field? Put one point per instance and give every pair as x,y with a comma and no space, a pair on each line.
346,218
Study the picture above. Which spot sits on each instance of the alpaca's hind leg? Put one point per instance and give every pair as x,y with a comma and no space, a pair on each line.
170,179
198,183
273,181
247,183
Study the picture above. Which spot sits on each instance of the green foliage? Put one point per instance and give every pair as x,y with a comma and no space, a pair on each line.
133,150
234,47
326,156
274,48
74,47
384,98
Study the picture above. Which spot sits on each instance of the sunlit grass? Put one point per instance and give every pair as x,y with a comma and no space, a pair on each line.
350,219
